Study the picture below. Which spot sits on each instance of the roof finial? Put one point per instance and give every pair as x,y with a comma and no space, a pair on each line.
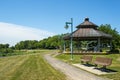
86,19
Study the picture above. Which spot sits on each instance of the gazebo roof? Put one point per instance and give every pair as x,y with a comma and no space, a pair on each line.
87,24
88,30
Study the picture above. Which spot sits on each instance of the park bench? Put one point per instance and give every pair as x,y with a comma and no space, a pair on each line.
86,59
103,61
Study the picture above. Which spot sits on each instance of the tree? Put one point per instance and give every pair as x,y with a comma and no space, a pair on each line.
116,36
27,44
5,49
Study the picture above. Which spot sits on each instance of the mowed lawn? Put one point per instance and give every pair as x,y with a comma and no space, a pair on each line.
28,67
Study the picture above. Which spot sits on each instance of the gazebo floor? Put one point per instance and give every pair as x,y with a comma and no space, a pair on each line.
84,52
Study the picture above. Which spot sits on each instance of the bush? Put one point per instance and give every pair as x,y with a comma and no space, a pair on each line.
5,51
67,49
115,51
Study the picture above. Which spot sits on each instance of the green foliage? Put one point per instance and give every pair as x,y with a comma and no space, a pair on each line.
4,49
27,44
51,42
4,46
55,42
116,36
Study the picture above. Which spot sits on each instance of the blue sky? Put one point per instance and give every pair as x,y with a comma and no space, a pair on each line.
51,15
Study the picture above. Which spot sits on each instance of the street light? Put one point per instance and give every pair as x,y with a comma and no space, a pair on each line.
67,26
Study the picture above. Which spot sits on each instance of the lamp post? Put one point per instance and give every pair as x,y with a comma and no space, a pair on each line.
71,37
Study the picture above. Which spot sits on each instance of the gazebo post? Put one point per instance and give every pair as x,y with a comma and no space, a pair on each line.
99,44
78,46
64,47
110,44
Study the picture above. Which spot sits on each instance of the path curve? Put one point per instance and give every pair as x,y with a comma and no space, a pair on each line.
70,71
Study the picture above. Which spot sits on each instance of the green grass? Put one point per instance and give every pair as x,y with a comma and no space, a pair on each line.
115,63
23,52
28,67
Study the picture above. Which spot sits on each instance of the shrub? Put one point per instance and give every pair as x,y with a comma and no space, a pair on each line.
5,51
115,51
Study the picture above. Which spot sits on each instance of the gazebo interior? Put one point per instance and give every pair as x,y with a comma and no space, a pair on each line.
88,38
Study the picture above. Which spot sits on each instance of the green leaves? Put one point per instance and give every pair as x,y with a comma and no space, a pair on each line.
116,36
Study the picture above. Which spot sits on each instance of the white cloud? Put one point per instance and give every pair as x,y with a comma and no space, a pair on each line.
12,33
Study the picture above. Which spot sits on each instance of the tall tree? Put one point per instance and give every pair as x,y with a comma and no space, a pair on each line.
116,36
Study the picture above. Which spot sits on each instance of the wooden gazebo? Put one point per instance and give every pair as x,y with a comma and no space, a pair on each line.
88,31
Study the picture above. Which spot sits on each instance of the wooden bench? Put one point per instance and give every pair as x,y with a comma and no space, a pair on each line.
86,59
103,61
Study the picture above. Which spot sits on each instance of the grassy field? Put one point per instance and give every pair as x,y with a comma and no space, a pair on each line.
28,67
115,63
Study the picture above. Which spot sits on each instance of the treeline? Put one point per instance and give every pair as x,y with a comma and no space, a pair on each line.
54,42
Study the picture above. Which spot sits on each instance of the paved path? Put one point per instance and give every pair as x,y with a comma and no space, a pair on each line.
71,72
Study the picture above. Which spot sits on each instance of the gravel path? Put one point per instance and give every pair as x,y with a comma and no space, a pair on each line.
71,72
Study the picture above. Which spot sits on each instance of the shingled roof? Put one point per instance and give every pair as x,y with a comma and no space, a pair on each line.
88,30
87,24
